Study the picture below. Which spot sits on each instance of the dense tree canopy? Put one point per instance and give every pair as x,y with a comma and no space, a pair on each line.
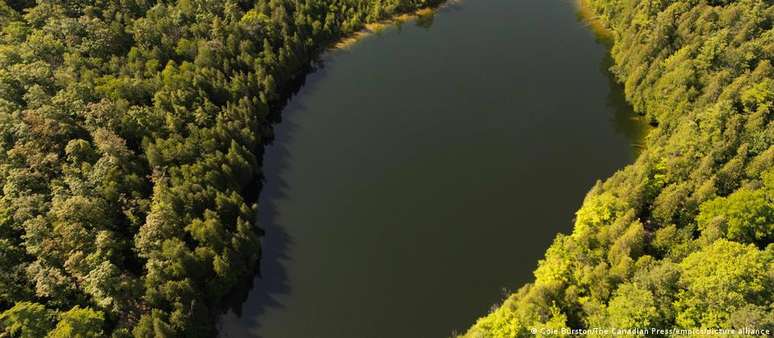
682,238
131,134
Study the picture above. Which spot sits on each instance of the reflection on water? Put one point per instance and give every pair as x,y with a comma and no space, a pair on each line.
429,166
425,20
625,121
265,291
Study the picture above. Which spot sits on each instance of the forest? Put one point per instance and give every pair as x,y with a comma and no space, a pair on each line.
131,136
683,237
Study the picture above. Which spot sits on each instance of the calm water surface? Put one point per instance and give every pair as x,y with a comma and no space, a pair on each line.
428,167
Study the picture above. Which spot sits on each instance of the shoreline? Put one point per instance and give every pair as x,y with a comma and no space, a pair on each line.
592,21
376,27
595,24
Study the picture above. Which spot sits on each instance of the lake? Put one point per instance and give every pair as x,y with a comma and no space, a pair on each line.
428,167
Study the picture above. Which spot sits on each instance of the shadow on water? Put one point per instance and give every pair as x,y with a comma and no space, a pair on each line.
247,305
624,119
425,21
253,306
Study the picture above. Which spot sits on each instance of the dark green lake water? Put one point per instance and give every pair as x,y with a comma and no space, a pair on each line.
420,172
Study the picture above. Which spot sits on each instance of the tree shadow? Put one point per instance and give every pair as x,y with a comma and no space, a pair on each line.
247,305
425,20
625,121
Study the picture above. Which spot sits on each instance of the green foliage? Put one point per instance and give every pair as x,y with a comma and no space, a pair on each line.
631,307
721,279
27,320
682,237
79,323
745,216
130,144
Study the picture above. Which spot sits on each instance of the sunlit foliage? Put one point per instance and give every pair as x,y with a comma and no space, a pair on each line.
131,134
682,237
